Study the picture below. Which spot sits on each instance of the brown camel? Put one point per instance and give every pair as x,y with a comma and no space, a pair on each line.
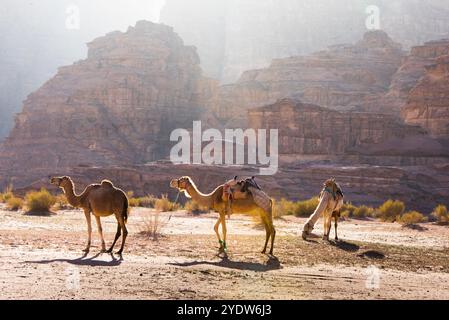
101,200
214,201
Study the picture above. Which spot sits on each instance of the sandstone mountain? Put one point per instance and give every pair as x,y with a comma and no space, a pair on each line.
342,77
428,101
307,130
412,69
116,107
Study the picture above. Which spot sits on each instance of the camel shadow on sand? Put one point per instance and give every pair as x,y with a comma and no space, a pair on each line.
273,263
344,245
83,261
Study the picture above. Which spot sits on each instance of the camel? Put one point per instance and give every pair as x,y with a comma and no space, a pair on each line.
101,200
214,201
331,201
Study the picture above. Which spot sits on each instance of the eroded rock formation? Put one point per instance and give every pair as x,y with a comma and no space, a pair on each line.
413,68
342,77
310,130
428,101
116,107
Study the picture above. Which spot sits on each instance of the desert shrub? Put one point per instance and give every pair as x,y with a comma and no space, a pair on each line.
4,197
284,207
148,201
61,203
391,210
412,217
165,205
363,212
14,203
194,208
441,214
39,201
307,207
133,202
7,194
347,210
143,202
153,225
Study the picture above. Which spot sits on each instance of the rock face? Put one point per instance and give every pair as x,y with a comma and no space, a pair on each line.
310,132
116,107
413,68
342,77
237,35
39,36
427,103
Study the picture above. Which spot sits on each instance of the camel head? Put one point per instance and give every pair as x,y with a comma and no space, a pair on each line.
331,184
61,182
181,184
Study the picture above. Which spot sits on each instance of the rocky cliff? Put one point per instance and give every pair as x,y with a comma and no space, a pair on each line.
412,69
427,103
307,129
116,107
342,77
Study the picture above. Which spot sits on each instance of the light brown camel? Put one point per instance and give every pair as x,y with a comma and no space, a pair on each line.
331,202
214,201
101,200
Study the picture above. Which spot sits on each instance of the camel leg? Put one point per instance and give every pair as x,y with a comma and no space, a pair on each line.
89,230
224,230
272,232
336,225
100,231
125,234
267,232
217,225
326,228
117,235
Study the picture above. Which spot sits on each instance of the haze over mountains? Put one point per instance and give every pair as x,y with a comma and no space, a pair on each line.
231,36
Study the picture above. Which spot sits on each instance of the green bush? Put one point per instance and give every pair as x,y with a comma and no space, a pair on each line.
441,214
39,201
14,203
391,210
411,218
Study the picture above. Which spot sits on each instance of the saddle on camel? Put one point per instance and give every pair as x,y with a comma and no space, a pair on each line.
242,189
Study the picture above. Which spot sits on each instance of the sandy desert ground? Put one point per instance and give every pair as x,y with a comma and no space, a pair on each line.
41,258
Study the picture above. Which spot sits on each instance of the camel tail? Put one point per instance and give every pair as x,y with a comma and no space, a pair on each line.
125,212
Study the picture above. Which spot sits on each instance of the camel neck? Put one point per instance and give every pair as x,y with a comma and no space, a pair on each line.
73,199
198,197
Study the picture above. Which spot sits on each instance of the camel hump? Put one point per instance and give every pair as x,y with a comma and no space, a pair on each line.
107,184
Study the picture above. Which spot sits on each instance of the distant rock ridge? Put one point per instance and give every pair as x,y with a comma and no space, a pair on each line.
342,77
